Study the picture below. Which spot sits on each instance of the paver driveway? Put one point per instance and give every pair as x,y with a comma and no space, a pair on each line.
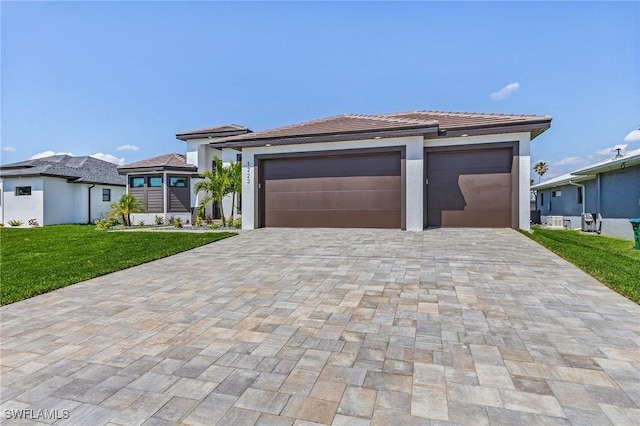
283,326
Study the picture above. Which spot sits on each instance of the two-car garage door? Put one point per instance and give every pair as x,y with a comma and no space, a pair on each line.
463,188
350,190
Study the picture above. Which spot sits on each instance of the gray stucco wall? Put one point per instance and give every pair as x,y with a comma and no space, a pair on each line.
563,205
620,193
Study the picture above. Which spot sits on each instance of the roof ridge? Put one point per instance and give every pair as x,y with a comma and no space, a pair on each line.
382,117
465,114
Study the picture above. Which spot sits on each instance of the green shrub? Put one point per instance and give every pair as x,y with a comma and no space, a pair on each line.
141,223
15,222
159,220
213,226
237,222
177,222
199,221
107,223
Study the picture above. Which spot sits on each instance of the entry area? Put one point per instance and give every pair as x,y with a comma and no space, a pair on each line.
470,188
347,189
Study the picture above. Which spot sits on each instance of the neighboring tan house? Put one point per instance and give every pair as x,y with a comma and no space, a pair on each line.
58,189
409,170
609,190
164,185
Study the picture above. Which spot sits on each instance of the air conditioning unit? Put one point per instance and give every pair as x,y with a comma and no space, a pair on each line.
591,223
555,222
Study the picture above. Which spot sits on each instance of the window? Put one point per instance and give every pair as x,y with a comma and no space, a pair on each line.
136,182
556,194
155,181
579,195
178,182
239,158
106,194
23,190
542,199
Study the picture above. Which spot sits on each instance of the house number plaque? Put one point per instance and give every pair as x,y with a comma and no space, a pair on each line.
248,173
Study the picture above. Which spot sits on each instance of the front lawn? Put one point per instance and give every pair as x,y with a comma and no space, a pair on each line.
37,260
612,261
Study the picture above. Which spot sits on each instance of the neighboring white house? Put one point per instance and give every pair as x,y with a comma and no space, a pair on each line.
58,189
608,190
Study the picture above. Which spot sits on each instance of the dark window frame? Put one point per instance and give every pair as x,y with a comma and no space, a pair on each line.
22,191
134,178
172,184
542,199
154,177
106,194
580,195
557,193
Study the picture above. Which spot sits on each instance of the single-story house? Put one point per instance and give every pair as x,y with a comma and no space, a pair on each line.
609,190
407,170
58,189
164,185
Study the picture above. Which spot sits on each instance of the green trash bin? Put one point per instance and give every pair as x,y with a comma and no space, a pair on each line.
636,231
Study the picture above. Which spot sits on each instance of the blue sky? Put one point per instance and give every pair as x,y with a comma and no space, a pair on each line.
108,77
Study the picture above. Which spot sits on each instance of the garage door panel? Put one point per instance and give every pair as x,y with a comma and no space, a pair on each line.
334,219
470,188
333,200
343,190
333,166
356,183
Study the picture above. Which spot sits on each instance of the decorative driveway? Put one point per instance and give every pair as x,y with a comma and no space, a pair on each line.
343,327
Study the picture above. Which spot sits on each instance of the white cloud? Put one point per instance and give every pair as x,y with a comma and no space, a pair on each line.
49,153
127,147
633,136
9,149
570,161
108,157
604,152
505,92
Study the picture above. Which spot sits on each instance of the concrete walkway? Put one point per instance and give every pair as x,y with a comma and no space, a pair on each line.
344,327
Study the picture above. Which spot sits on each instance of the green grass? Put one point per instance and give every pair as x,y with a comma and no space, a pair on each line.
37,260
612,261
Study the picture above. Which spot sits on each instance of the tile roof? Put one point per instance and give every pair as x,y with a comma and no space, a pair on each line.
170,161
360,123
216,131
75,169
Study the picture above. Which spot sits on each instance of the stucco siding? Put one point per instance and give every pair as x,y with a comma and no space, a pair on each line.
23,207
621,193
59,201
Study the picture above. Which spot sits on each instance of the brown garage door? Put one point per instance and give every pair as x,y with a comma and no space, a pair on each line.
469,188
337,191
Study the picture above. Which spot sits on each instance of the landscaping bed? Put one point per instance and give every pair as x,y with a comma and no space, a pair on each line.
612,261
38,260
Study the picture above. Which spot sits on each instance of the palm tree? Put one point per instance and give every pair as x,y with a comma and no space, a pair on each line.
215,185
540,168
235,183
126,205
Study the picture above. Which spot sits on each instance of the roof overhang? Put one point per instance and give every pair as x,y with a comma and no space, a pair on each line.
209,135
616,164
322,138
561,182
124,171
534,129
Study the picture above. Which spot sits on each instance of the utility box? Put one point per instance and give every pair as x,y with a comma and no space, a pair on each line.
591,223
636,231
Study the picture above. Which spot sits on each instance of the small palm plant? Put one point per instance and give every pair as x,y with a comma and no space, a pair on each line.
540,168
126,205
235,184
216,185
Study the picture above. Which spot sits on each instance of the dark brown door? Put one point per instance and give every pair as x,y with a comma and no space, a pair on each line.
469,188
338,191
